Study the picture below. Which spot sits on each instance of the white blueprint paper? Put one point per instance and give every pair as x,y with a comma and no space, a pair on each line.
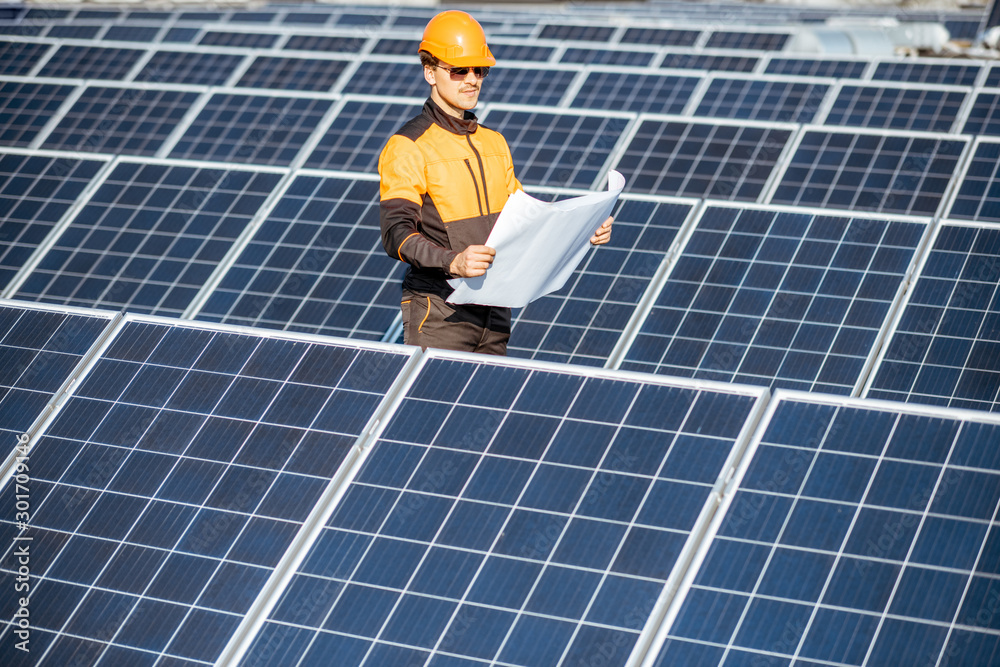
538,246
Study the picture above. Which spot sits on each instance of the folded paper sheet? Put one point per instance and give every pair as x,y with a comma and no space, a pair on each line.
538,245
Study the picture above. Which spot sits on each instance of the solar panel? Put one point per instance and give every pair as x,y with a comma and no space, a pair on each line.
756,41
305,18
709,62
149,238
930,109
660,36
657,93
993,78
196,68
859,534
787,299
38,351
396,79
90,62
131,33
22,30
583,322
396,47
353,19
19,58
915,72
978,196
358,133
124,121
74,31
720,160
520,52
241,39
984,115
318,74
180,35
838,69
173,480
616,56
326,43
888,173
316,265
944,347
508,515
25,109
35,192
251,129
762,99
559,149
581,33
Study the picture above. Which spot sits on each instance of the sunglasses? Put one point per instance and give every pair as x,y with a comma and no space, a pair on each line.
459,73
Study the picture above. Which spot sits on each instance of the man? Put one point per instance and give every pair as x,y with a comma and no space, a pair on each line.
444,181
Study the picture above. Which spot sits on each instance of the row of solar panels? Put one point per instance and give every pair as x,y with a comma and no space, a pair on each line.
785,297
587,22
198,494
77,56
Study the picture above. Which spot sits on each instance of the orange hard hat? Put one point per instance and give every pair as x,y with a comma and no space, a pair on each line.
457,39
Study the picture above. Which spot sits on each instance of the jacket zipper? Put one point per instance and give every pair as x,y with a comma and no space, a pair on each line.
482,174
475,183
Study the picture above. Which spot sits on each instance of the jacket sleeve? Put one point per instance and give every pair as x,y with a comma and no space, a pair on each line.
401,190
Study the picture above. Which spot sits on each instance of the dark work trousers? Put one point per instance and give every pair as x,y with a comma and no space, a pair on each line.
430,321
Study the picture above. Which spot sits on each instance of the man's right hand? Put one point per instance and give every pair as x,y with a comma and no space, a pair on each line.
472,262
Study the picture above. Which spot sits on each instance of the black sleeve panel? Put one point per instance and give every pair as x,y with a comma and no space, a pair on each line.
402,239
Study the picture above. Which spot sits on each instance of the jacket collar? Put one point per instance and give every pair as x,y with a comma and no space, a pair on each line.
454,125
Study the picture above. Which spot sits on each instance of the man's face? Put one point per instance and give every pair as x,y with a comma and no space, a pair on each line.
453,92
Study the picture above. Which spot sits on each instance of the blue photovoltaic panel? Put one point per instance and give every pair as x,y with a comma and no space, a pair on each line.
700,159
253,17
391,79
368,20
22,30
658,93
38,351
201,17
251,129
100,14
709,62
46,14
131,33
358,134
582,322
318,74
180,35
914,72
19,58
582,33
325,43
593,56
946,348
149,238
507,516
660,36
506,53
896,108
123,121
74,31
566,149
756,41
90,62
397,47
870,172
204,69
25,108
316,265
526,85
838,69
172,482
978,196
993,78
758,99
35,193
242,39
788,300
857,536
984,115
149,16
306,18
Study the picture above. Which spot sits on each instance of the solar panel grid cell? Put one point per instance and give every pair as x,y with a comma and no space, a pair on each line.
709,62
19,58
984,115
758,99
90,62
657,93
978,196
358,133
958,74
660,36
195,68
896,108
25,109
759,41
839,69
293,73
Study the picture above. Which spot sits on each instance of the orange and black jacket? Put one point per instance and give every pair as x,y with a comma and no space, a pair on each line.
444,181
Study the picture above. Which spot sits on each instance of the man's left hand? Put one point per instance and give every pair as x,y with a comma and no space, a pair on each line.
603,233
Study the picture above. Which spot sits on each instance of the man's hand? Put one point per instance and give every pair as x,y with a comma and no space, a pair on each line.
472,262
603,233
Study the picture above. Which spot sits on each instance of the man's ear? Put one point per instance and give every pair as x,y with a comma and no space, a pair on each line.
429,75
